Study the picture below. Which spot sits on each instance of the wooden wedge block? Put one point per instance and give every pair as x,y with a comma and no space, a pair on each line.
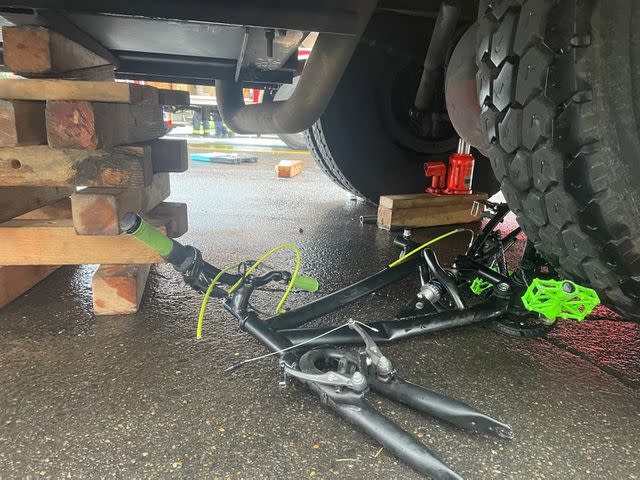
289,168
427,210
16,280
60,210
21,122
77,90
38,50
173,215
44,166
98,211
99,125
169,155
55,242
15,201
118,289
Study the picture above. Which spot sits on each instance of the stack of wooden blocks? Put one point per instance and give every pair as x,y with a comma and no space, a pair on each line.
70,125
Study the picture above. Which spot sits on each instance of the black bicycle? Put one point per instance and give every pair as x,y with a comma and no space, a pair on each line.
342,378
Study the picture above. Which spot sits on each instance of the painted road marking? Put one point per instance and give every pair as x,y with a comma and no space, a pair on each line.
250,149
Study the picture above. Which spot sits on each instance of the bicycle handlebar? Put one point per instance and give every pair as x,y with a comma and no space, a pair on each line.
182,257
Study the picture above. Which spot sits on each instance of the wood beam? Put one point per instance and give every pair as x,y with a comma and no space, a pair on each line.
76,90
56,211
169,155
16,280
21,122
38,50
15,201
44,166
55,242
99,125
118,289
98,211
427,210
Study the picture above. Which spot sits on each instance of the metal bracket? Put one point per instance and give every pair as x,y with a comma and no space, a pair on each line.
356,382
381,363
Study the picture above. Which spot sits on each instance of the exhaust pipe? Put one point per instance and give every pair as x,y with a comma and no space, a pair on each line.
322,72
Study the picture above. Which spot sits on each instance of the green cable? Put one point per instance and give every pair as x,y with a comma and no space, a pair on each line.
205,300
425,245
262,259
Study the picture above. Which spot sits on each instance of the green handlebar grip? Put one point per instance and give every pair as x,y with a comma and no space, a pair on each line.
151,236
308,284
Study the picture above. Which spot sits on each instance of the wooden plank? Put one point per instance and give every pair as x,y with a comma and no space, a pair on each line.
95,125
71,90
173,216
56,211
102,73
118,289
169,155
437,213
289,168
37,50
15,201
44,166
16,280
55,242
426,199
98,211
21,122
173,98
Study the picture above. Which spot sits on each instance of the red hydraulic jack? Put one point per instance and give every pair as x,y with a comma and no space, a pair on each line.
459,174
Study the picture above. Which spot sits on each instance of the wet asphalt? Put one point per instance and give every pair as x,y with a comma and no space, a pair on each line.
138,397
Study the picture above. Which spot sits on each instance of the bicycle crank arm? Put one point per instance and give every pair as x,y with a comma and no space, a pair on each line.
439,406
354,409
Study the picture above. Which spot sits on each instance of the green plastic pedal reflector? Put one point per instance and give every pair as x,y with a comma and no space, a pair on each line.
479,286
560,299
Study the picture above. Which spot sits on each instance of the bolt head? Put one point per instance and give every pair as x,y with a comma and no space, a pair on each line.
503,287
384,366
419,305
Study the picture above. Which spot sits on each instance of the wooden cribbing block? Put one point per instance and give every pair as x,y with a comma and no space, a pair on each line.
72,90
37,50
55,242
169,155
15,280
173,98
44,166
427,210
118,289
15,201
289,168
56,211
98,211
174,217
21,122
103,73
99,125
